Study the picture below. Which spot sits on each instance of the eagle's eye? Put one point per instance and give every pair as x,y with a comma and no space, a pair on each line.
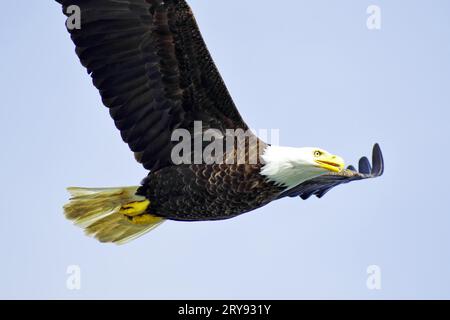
317,154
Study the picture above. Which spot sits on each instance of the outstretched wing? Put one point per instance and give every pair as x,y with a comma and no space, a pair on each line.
321,185
153,70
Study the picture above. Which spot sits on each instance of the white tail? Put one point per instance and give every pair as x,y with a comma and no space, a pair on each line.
97,211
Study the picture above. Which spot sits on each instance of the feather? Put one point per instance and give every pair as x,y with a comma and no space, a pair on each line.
152,68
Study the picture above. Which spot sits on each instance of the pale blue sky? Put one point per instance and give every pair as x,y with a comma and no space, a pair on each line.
311,69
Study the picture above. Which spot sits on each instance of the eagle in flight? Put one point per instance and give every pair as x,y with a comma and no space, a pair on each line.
155,75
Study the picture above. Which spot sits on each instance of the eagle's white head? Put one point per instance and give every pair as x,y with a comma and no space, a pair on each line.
290,167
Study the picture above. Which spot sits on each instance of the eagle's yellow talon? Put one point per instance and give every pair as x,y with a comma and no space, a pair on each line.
136,213
133,209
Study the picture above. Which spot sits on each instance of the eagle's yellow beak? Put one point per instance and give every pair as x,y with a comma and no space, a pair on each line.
331,162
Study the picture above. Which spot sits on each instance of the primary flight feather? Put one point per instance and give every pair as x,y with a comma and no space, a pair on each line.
155,74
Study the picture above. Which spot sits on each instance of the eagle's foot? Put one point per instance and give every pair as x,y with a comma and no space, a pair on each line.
136,213
134,209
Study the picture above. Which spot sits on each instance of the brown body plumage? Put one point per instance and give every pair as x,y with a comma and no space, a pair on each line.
207,192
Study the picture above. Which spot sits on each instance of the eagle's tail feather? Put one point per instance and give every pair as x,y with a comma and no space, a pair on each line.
107,213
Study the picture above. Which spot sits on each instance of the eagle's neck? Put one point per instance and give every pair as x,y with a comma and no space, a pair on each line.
288,167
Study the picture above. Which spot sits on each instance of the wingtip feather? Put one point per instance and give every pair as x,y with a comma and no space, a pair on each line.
364,166
377,161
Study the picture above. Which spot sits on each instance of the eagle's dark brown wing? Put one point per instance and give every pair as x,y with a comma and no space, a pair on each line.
154,73
321,185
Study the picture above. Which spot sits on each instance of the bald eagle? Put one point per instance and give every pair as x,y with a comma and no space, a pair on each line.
155,75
